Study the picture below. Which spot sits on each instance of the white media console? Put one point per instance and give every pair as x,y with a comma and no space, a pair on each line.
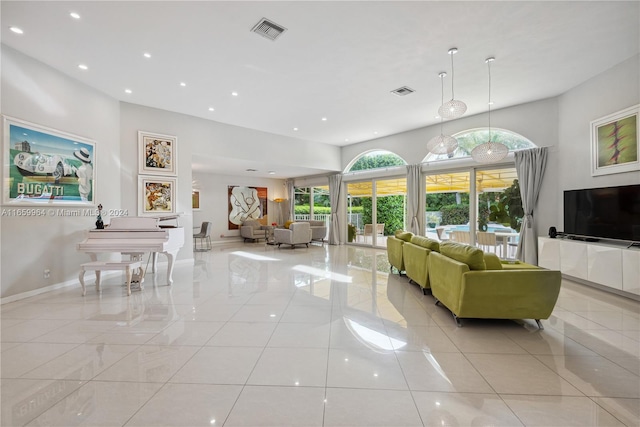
609,265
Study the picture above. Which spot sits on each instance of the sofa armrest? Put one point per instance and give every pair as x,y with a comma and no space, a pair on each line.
445,276
514,294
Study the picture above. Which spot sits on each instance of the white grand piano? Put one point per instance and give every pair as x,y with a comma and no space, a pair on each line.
136,236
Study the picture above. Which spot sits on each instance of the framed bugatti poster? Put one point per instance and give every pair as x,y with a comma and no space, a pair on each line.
47,166
157,154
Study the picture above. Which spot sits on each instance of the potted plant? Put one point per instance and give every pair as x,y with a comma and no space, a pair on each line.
508,211
351,232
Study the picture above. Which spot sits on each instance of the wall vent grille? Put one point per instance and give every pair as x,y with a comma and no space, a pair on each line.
268,29
402,91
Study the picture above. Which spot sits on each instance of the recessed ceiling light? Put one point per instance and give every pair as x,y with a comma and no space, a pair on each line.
74,15
234,93
183,84
295,129
127,91
436,117
211,109
146,55
346,140
491,103
272,172
324,119
375,132
16,30
83,67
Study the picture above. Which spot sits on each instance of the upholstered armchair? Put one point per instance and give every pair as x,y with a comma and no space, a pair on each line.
253,230
298,233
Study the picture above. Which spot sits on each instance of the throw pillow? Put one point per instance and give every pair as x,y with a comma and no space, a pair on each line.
492,261
287,224
469,255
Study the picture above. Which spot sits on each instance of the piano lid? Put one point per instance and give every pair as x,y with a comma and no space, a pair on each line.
133,223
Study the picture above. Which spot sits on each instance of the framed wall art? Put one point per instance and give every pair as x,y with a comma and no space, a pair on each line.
615,146
157,154
47,166
195,200
156,195
246,203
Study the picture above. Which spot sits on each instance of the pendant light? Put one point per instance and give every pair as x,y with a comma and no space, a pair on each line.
489,152
454,108
442,144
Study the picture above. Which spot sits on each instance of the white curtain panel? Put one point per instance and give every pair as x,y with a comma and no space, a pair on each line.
414,178
530,166
335,185
290,189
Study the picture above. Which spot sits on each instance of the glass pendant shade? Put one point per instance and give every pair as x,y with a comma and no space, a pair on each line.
489,152
452,109
442,144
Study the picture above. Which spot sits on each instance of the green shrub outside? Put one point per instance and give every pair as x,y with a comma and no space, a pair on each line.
322,210
390,213
455,214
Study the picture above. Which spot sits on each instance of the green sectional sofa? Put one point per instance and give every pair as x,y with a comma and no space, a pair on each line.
472,284
416,256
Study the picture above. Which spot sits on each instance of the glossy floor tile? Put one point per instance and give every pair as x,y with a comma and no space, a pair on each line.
253,335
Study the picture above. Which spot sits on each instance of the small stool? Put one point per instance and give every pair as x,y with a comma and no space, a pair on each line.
99,266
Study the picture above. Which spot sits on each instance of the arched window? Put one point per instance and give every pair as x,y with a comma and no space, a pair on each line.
375,160
469,139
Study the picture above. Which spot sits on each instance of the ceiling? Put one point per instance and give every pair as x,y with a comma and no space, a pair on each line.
337,60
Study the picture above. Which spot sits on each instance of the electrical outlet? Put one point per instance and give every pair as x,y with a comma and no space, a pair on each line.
47,274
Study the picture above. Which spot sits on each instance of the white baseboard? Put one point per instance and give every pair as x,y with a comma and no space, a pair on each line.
74,282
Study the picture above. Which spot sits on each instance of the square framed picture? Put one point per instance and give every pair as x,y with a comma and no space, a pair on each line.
615,146
156,195
47,166
157,154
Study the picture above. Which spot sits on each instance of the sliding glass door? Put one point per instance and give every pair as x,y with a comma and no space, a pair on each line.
375,209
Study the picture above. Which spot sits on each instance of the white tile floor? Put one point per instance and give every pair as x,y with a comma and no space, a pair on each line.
253,335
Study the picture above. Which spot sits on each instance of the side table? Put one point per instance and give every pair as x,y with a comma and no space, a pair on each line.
269,234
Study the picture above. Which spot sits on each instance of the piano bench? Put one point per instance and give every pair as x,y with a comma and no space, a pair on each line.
98,266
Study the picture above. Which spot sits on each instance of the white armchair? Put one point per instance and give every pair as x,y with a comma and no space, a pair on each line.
253,230
298,233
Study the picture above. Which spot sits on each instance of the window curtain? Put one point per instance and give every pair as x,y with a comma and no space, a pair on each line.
413,198
291,199
335,184
530,166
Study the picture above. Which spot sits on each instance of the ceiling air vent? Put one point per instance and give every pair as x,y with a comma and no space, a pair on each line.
402,91
268,29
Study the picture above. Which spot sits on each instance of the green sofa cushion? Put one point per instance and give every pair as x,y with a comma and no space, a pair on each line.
466,254
492,261
426,242
404,235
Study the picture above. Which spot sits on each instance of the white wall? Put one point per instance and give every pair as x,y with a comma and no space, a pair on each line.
536,121
134,118
611,91
214,201
36,93
219,142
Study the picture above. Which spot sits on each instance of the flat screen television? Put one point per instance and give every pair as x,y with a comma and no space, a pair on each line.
608,213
